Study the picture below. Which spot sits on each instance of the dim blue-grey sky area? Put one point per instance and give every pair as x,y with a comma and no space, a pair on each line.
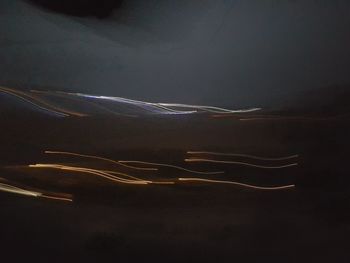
222,52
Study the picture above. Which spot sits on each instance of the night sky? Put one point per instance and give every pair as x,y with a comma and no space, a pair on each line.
224,52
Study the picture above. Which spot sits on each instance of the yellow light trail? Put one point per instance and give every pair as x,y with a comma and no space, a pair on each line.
101,158
54,109
91,171
57,198
172,166
238,184
136,178
240,163
246,155
17,190
22,97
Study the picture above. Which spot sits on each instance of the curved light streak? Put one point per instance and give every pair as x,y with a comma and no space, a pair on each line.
172,166
64,95
57,198
90,171
211,109
153,108
102,159
17,190
48,107
246,155
240,163
10,92
168,107
238,184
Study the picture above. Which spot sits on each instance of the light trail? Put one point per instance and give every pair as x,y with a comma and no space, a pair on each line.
17,190
172,166
246,155
99,173
210,109
102,159
238,184
240,163
168,108
150,107
46,106
12,93
57,198
79,99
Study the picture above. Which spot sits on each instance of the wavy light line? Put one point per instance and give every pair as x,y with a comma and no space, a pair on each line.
172,166
133,102
240,163
64,95
211,109
168,107
101,158
17,190
239,184
246,155
56,109
57,198
8,91
90,171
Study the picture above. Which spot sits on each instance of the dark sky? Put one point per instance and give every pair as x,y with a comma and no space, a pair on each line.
222,52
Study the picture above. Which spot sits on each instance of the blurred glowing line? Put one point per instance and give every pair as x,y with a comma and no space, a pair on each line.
245,155
82,169
133,102
17,190
63,95
126,175
239,184
32,103
90,171
57,198
168,106
136,178
56,110
240,163
209,108
172,166
101,158
171,110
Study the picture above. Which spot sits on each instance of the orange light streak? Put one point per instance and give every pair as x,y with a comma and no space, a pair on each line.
171,166
240,163
246,155
101,158
238,184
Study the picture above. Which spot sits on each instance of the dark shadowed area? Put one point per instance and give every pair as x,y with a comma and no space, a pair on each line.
225,53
